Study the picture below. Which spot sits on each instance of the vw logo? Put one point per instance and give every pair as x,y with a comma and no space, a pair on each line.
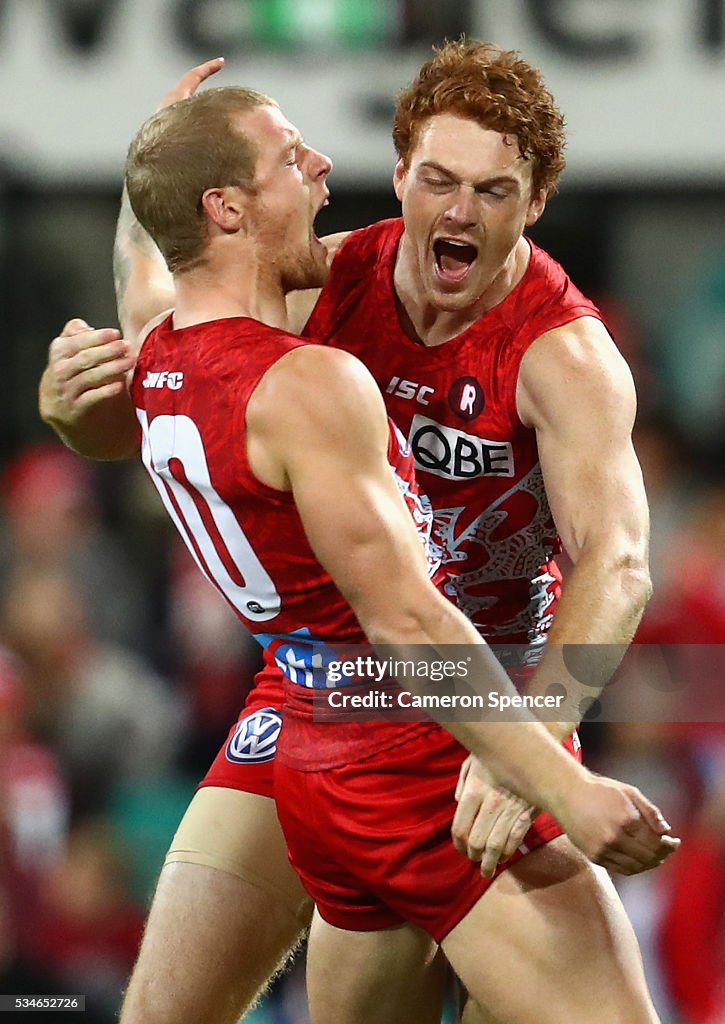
255,738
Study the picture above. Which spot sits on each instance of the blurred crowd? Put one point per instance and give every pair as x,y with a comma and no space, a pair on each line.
121,670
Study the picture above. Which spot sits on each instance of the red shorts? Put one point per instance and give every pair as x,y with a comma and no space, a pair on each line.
371,841
246,760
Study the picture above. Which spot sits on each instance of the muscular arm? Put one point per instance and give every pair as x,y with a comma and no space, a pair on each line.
332,455
577,392
144,286
82,390
82,393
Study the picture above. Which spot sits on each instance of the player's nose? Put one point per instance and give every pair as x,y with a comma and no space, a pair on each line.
463,211
319,165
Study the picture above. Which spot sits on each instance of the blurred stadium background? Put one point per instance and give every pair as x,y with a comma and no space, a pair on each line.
119,670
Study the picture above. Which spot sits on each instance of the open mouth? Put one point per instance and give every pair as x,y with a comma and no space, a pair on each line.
325,202
453,259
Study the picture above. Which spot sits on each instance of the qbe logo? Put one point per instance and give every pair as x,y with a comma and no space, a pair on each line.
456,455
254,739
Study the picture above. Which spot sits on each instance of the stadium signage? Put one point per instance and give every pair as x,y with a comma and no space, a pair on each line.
81,75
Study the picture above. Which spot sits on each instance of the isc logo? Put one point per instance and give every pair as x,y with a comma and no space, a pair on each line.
173,379
409,389
450,453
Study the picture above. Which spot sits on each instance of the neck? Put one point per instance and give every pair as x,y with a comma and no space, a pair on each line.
221,288
424,321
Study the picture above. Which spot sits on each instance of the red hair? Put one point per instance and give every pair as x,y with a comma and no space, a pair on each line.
495,88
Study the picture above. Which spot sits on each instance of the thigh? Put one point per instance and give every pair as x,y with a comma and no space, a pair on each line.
393,976
227,910
549,941
239,833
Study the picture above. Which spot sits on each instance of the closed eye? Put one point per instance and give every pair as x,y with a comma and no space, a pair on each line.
439,183
495,193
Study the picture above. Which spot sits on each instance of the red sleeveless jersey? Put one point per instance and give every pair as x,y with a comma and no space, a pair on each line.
456,403
190,389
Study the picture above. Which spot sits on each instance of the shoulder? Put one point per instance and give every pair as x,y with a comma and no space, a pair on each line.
578,361
333,242
364,242
546,297
583,346
314,384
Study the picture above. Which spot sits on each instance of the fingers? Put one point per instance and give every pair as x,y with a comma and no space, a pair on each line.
671,843
489,822
498,831
203,71
651,814
75,326
636,845
86,349
488,827
73,341
649,831
190,82
619,862
518,832
98,395
85,366
489,841
469,804
462,776
620,828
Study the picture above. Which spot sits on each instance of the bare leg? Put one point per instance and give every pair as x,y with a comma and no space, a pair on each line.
216,934
212,943
395,976
550,942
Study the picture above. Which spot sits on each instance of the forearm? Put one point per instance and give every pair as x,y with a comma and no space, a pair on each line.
602,603
143,284
518,751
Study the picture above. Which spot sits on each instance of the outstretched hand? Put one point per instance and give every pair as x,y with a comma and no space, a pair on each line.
190,82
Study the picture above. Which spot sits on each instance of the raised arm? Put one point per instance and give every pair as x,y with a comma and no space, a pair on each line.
576,390
144,287
82,393
365,538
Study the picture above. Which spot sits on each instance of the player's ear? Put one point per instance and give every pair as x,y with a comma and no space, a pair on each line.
225,207
399,178
536,207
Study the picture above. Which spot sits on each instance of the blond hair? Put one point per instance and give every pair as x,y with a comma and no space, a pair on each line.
178,154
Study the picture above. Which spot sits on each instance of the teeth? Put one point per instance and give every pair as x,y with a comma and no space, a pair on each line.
452,241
